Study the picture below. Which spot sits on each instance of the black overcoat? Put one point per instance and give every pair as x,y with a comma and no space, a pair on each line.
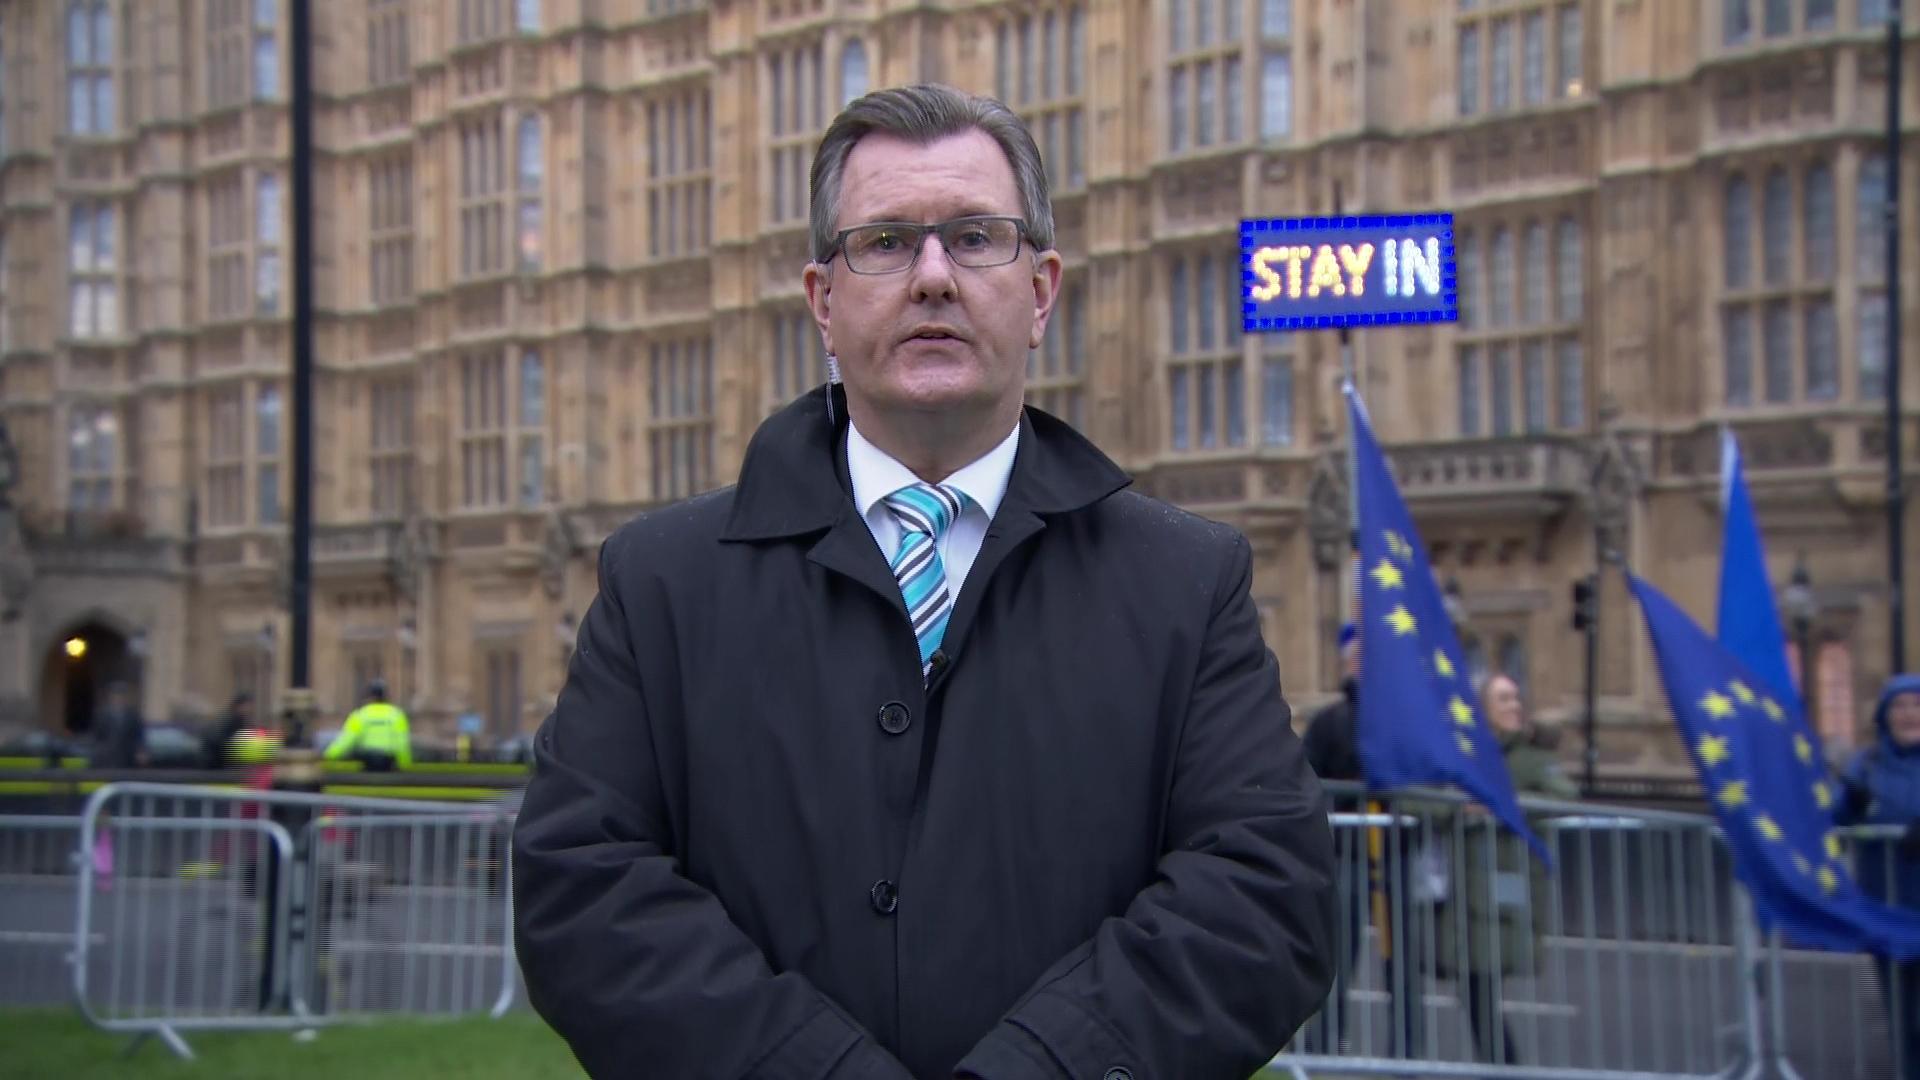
755,845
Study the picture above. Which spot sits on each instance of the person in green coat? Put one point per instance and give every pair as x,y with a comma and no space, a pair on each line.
1505,890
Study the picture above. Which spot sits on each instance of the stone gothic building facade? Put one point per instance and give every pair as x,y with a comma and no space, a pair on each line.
558,260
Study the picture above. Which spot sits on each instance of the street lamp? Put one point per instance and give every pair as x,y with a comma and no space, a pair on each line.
1798,600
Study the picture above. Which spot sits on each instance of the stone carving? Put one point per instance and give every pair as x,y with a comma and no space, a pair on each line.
16,564
558,545
407,556
1615,481
1329,519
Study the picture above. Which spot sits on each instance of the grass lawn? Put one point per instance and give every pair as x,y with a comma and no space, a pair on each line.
55,1044
58,1044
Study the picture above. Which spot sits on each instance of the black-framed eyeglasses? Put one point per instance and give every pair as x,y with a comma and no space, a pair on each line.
888,247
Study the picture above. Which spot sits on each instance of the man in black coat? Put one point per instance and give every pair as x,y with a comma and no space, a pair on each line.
926,750
119,732
1376,866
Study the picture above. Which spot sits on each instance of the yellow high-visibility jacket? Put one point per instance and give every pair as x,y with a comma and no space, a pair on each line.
378,726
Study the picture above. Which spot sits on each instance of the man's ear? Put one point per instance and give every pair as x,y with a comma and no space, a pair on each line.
1046,293
818,281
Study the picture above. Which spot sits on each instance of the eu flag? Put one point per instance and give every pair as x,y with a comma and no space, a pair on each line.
1420,717
1749,624
1770,791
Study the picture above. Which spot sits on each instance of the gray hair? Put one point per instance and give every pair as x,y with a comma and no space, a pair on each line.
922,114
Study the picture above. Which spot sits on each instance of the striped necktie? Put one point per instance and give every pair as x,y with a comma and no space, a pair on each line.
925,513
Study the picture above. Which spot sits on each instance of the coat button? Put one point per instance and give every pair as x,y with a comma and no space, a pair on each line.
894,718
1119,1072
937,663
885,896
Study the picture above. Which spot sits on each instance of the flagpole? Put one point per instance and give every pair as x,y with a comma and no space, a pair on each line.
1896,491
1350,591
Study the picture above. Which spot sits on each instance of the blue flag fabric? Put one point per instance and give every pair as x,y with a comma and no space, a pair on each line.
1420,717
1770,792
1749,624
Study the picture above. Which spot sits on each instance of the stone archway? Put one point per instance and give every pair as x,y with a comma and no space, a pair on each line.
77,667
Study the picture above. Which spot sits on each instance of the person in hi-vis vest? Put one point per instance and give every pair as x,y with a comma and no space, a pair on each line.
376,734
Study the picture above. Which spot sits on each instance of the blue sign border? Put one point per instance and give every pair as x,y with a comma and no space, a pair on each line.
1446,310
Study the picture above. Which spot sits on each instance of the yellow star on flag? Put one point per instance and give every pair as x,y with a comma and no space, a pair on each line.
1713,749
1395,544
1717,705
1823,796
1801,864
1741,691
1803,749
1733,794
1773,710
1401,620
1828,881
1768,828
1388,575
1462,712
1833,846
1466,744
1441,664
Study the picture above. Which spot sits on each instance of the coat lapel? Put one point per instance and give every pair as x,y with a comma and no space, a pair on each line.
1055,471
848,549
794,484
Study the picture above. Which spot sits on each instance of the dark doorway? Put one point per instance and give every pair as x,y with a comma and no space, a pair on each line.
80,665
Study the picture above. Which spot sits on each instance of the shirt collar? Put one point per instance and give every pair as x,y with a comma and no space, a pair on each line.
877,474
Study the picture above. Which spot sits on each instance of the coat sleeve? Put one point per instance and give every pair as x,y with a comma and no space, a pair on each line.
343,743
637,967
1214,966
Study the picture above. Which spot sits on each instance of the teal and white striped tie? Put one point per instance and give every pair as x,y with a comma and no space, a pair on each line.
925,513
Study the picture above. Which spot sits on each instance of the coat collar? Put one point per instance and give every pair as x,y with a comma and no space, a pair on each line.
794,478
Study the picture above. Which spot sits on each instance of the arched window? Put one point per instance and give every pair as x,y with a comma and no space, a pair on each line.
1737,232
1776,226
853,71
1833,705
1513,662
1476,657
530,163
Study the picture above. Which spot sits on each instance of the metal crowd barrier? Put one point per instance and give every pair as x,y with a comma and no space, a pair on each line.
1633,959
1833,1015
173,909
202,909
38,878
412,914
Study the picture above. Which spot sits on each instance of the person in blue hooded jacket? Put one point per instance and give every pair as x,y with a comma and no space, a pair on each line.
1883,788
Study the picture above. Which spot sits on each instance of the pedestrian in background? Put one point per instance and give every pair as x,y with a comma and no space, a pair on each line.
1499,893
376,734
1375,881
1882,787
119,742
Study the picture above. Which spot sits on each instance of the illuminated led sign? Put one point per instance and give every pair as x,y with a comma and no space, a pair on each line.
1323,272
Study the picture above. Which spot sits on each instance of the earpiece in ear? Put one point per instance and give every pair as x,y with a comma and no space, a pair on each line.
833,380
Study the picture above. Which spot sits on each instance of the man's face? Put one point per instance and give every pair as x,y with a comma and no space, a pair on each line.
935,337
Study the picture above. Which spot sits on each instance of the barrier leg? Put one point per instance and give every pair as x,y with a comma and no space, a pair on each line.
167,1035
1777,1064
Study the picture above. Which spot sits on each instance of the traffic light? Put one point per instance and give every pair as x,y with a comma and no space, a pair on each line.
1583,602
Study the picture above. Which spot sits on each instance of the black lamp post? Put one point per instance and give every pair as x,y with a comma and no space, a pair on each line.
1799,603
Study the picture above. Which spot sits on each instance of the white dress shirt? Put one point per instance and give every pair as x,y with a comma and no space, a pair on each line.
876,475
